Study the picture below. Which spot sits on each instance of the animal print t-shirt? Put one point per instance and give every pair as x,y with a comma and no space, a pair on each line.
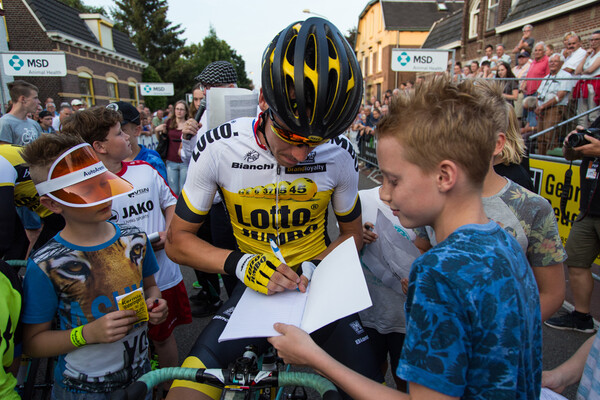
79,285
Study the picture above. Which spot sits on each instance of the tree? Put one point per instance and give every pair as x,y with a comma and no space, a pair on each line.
78,4
196,57
156,39
351,37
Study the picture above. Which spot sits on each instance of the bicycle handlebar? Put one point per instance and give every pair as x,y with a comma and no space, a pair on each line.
222,378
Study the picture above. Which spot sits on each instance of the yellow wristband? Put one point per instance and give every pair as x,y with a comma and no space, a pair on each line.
77,337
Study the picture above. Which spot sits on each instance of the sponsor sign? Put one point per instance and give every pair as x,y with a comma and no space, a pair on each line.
156,89
50,63
411,60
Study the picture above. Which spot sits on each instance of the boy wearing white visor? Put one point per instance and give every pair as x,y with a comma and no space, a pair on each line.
79,274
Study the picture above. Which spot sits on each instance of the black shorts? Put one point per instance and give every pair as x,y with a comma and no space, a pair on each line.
345,340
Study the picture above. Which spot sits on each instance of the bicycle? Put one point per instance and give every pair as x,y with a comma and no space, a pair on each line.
242,380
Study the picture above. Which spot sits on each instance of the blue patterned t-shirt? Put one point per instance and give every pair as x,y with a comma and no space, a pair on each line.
473,318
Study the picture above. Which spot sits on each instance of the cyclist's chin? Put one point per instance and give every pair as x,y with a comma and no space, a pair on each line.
287,161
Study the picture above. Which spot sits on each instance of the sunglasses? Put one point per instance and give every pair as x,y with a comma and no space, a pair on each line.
289,136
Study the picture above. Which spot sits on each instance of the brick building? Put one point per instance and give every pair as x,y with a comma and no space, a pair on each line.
483,22
102,63
385,25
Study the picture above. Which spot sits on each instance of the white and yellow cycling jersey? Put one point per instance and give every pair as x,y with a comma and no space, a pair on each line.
265,200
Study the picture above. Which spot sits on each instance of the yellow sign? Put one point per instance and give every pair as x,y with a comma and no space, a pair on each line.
134,301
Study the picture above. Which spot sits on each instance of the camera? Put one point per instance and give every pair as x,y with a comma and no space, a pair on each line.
578,139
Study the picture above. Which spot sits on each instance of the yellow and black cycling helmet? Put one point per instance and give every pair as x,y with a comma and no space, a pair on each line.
311,79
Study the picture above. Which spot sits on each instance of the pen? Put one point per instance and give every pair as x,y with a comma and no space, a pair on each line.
276,251
154,305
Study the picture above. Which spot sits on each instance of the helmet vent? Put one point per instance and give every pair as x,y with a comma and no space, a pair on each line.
332,89
289,54
310,53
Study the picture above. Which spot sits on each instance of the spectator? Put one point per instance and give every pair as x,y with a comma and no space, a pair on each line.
511,88
526,42
486,70
396,92
553,96
549,49
520,71
489,54
529,106
500,56
576,56
65,112
466,70
46,122
538,69
158,118
176,168
474,70
131,125
51,108
566,52
77,105
588,91
458,75
583,241
197,96
15,127
103,260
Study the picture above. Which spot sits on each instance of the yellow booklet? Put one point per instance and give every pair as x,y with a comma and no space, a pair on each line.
134,301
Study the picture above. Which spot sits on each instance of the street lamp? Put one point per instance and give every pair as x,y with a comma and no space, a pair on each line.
307,11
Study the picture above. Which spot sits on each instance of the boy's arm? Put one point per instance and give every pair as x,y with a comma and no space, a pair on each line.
39,340
168,213
296,347
570,371
551,285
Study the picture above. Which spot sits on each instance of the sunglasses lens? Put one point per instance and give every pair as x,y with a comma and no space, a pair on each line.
290,137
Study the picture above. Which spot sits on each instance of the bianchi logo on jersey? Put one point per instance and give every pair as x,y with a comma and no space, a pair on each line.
357,327
237,165
251,156
138,192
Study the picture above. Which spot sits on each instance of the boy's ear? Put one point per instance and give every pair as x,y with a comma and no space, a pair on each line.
447,174
99,147
500,142
51,204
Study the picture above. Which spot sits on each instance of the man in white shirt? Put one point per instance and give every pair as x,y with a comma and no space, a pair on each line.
500,56
553,96
577,54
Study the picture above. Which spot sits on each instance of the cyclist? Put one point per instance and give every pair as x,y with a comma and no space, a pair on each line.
277,175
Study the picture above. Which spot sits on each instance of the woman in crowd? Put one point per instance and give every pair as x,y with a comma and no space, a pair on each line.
511,88
176,169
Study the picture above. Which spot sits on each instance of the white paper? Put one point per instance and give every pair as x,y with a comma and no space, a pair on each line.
390,257
226,104
337,289
548,394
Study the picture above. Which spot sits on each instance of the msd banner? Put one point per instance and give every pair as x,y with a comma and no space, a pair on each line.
411,60
157,89
25,63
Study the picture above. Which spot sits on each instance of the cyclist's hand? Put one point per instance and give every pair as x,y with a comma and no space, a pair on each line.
110,328
157,311
160,244
368,235
262,272
294,345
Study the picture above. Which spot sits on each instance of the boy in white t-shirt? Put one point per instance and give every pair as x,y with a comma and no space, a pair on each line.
149,207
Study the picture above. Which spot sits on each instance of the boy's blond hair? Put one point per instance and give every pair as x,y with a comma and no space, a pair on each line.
505,120
443,121
42,152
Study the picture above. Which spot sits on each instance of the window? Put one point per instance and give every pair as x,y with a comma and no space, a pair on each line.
366,69
380,58
474,20
492,11
113,89
133,93
375,64
86,88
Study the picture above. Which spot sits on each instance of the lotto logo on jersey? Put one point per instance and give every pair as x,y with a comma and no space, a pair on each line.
302,189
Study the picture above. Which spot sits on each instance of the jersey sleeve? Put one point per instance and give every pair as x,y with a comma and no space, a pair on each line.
200,186
345,200
40,300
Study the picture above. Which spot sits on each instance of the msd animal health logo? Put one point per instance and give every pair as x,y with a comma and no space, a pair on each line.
16,63
403,59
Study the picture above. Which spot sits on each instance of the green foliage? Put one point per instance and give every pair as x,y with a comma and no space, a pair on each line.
153,102
78,4
351,37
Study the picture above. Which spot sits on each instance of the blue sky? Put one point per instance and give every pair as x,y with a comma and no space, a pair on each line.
248,26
